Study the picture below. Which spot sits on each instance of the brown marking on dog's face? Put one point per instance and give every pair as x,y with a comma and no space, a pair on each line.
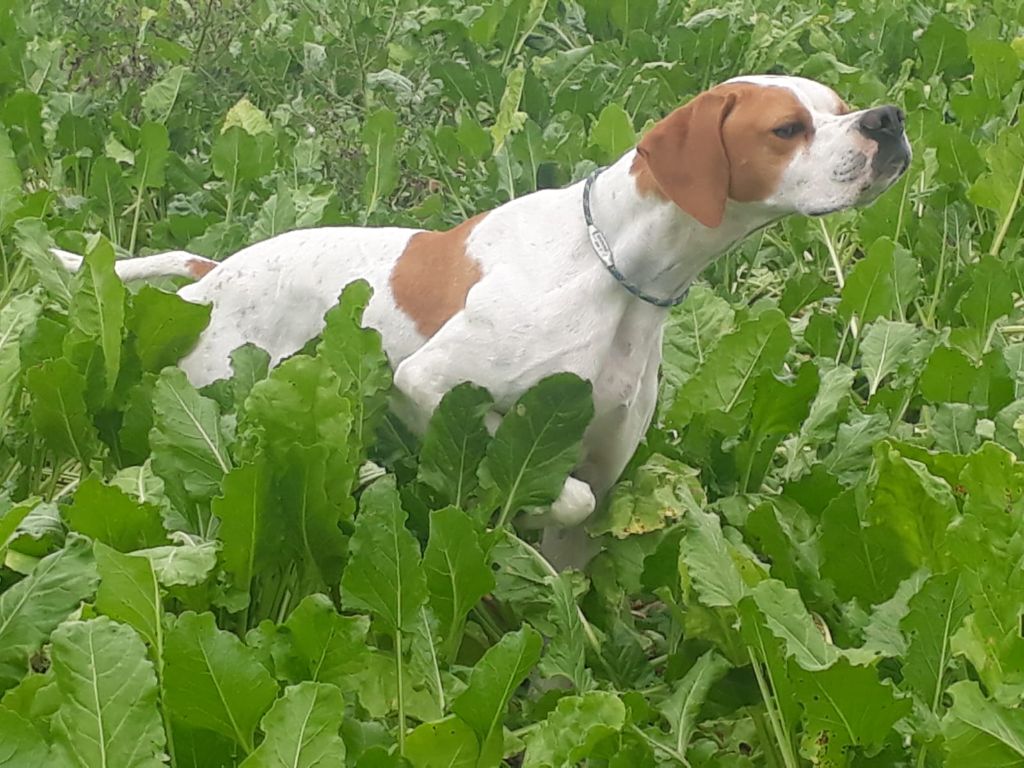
199,268
433,275
758,156
723,144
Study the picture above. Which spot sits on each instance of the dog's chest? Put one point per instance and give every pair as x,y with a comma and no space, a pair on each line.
630,359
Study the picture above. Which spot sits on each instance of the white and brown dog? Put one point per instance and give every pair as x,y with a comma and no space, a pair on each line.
539,285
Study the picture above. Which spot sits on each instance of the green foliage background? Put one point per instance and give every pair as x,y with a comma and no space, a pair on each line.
816,558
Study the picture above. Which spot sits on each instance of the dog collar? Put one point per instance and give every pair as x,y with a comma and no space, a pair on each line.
604,252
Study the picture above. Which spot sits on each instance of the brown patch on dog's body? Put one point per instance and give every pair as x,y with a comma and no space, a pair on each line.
721,146
199,268
433,275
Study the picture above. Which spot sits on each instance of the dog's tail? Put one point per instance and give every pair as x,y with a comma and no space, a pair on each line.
167,264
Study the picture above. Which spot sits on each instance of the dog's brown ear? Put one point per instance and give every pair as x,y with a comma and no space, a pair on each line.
685,154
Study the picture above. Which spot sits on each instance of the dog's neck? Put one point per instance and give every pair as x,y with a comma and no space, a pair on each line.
656,246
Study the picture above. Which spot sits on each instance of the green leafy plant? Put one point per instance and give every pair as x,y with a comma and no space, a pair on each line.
814,559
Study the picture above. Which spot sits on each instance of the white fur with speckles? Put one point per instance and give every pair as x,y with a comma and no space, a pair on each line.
544,303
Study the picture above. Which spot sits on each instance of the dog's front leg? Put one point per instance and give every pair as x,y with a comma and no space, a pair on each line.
422,380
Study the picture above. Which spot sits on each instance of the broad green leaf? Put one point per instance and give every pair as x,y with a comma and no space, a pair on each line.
160,97
934,616
380,137
885,347
243,509
187,564
869,292
32,608
164,326
448,743
300,403
40,531
22,745
457,572
710,561
21,112
1001,186
726,380
58,409
948,377
11,516
301,730
276,216
988,298
108,712
97,312
613,132
37,699
455,443
682,707
779,409
882,635
573,730
129,593
660,492
331,646
108,191
802,289
309,516
384,574
844,707
914,506
491,685
565,652
17,315
826,410
355,354
108,514
151,157
980,733
509,119
238,156
786,617
33,241
855,440
213,681
10,173
248,117
249,365
187,439
691,332
870,571
537,443
200,748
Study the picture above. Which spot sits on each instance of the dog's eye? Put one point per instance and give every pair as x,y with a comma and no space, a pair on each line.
789,130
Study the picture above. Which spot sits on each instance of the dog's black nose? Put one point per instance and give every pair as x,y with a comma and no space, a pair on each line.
882,123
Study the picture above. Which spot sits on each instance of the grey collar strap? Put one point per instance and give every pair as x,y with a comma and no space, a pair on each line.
604,252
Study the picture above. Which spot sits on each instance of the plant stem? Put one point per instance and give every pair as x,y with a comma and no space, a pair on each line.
674,754
997,243
401,693
781,737
135,221
838,267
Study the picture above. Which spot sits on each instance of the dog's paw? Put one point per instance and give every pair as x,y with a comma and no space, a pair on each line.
574,504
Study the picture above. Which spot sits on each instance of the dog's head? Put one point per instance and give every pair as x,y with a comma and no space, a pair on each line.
784,144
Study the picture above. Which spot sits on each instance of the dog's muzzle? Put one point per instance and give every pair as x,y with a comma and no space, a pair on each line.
885,126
